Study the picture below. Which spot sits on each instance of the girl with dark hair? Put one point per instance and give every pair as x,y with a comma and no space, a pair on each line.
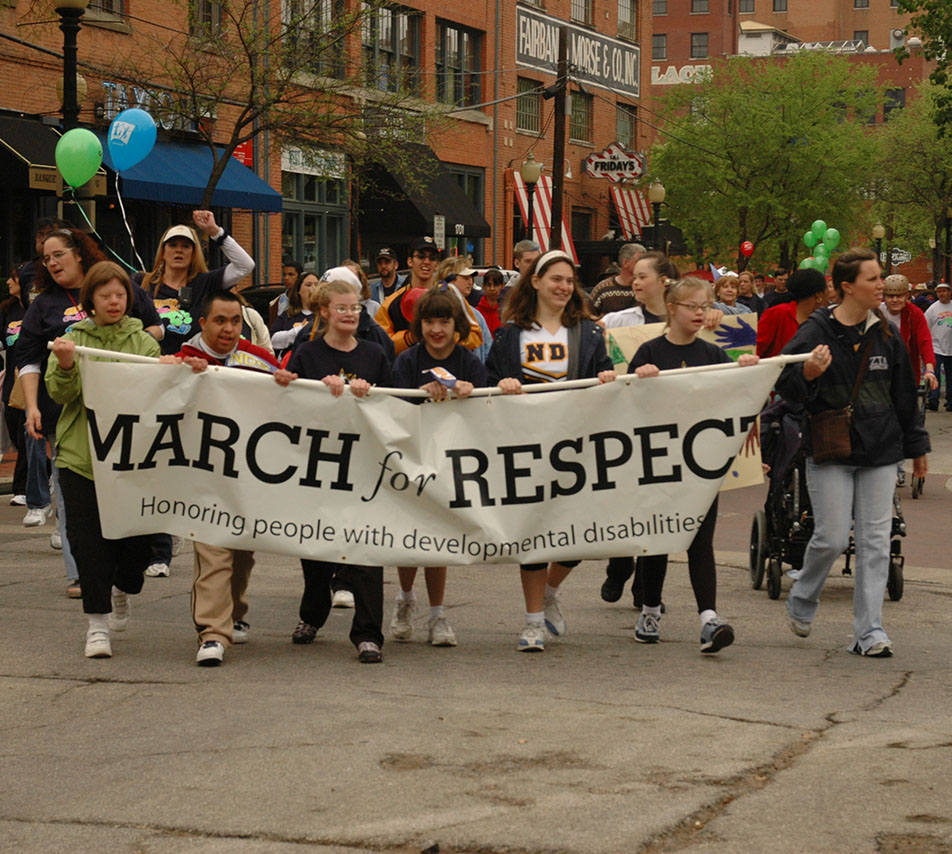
489,306
439,323
12,310
852,347
109,570
806,292
287,326
548,336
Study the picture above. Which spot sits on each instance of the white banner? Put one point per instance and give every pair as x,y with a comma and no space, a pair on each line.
229,458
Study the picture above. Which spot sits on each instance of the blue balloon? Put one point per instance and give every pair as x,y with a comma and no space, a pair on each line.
131,138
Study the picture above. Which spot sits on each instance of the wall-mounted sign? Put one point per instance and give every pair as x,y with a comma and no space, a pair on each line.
672,76
600,60
615,163
245,153
158,103
323,164
49,178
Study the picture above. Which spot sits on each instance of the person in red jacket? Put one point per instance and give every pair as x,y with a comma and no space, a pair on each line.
910,321
806,292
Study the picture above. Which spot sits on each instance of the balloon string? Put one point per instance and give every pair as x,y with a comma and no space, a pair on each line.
92,228
125,222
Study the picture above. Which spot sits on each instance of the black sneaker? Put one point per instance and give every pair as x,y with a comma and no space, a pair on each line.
612,590
715,635
304,633
369,653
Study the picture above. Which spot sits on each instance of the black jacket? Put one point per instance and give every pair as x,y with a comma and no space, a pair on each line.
505,356
884,427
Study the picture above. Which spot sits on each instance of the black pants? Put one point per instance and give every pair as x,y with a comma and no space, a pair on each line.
161,549
16,421
101,563
701,568
366,583
620,569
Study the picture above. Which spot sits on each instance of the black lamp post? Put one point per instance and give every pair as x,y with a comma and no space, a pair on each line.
656,197
70,11
948,244
531,171
878,234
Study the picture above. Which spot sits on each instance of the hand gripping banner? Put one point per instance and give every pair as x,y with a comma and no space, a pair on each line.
229,458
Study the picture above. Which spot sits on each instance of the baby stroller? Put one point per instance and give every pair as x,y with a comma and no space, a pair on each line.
780,532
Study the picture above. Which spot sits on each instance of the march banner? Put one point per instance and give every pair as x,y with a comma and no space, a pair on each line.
229,458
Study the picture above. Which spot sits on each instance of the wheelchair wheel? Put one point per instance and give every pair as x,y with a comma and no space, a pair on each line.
774,576
917,484
758,549
895,583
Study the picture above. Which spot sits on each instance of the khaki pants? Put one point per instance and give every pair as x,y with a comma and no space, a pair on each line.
219,591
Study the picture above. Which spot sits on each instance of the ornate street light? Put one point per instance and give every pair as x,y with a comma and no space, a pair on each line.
70,11
656,195
878,234
531,171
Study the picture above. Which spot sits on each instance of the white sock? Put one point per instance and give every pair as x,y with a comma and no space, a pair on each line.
550,591
406,596
707,616
652,610
98,623
436,611
535,617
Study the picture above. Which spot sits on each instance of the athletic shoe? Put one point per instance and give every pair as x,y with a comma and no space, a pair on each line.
401,624
304,633
612,590
369,653
715,635
210,654
56,541
74,591
342,599
239,632
18,501
901,479
440,632
801,628
119,618
882,649
532,638
647,629
157,570
177,545
554,621
97,644
37,516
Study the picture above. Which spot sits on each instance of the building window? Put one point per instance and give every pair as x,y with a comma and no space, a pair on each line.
860,4
580,124
626,126
895,100
204,18
698,45
659,46
699,7
582,11
660,7
626,19
391,48
581,224
314,219
457,64
472,181
529,106
306,22
745,6
107,7
861,36
780,5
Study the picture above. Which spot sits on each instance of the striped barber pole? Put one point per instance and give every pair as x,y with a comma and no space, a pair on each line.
634,211
541,213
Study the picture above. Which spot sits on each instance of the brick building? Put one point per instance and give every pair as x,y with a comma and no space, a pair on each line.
489,61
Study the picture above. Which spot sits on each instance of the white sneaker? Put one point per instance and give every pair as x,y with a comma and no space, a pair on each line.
177,545
37,516
532,638
554,621
401,624
157,570
56,541
441,632
210,654
18,501
342,599
119,618
239,631
97,644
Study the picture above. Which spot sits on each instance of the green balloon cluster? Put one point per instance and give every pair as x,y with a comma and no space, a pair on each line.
822,241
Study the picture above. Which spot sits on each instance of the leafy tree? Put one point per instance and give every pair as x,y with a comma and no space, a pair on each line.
932,21
761,148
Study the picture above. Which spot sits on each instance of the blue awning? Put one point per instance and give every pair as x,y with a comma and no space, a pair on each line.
177,172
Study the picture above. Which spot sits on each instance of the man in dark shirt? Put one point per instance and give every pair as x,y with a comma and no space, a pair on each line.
615,293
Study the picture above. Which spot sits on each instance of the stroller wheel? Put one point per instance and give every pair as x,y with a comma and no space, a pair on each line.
917,484
894,585
774,576
758,549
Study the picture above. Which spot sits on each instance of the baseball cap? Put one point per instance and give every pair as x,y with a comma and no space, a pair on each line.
422,244
469,271
179,231
342,274
386,252
942,285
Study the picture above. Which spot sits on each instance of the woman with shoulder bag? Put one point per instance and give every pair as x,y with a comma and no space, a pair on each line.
859,392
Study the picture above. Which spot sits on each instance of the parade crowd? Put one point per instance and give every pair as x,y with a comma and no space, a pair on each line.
871,343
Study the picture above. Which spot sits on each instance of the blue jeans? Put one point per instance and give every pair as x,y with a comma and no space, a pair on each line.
37,472
842,495
72,571
943,365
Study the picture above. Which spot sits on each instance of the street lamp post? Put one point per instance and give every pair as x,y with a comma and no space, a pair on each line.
656,197
70,11
948,244
934,248
878,234
531,171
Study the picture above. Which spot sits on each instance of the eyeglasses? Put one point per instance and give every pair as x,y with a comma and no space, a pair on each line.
347,309
54,256
694,307
425,256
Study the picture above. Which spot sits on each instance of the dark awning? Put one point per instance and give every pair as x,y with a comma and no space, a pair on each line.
33,145
177,172
402,203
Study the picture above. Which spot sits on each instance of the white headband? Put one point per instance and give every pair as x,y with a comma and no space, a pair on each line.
552,255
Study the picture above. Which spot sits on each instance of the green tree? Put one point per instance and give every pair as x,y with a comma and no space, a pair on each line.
760,148
932,22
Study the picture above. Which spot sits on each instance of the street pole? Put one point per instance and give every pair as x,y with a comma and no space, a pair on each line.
558,147
70,13
530,192
948,245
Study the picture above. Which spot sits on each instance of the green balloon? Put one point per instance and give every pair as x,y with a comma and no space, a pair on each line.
821,263
810,239
818,228
806,264
820,251
78,156
831,238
